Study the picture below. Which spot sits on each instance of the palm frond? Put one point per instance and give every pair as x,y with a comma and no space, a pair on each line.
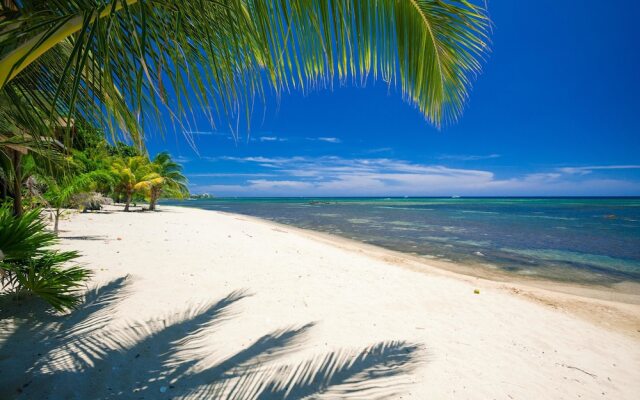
138,60
24,237
44,277
29,265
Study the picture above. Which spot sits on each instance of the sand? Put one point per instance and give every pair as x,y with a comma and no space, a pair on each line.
188,303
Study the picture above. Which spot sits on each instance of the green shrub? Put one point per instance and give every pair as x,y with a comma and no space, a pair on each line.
28,265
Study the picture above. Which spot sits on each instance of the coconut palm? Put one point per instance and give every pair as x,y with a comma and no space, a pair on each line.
173,183
132,175
133,58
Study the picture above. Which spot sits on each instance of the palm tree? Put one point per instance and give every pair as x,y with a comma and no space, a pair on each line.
173,183
133,174
132,58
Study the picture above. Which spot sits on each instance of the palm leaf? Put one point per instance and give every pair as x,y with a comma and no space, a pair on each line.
133,58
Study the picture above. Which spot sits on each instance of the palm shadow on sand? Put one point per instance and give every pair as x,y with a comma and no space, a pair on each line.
53,356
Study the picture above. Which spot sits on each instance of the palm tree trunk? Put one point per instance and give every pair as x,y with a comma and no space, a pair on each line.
57,218
3,189
153,198
126,206
17,182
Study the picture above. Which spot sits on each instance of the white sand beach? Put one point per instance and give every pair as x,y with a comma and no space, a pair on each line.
203,304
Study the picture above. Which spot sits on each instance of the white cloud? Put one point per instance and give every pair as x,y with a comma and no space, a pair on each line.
182,159
590,169
229,175
337,176
378,150
468,157
325,139
272,139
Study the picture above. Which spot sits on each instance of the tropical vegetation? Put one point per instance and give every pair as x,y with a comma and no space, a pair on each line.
87,173
28,265
79,78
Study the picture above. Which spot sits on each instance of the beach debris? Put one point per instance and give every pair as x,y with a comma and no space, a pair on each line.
479,254
578,369
476,291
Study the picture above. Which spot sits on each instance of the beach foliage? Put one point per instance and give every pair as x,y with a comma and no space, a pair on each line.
121,63
28,265
81,79
68,177
173,183
61,190
134,174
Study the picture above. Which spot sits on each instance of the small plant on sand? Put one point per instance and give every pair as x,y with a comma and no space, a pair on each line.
29,266
61,191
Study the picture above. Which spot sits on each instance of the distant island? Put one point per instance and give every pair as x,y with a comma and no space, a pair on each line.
201,196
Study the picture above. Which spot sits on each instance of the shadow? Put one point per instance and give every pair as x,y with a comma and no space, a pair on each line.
32,336
84,355
341,374
162,209
98,212
87,237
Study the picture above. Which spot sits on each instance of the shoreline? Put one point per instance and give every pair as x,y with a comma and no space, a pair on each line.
622,290
190,302
615,307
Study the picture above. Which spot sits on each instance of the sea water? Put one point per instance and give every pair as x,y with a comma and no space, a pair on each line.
586,240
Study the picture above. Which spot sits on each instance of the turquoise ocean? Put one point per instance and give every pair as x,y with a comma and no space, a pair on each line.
583,240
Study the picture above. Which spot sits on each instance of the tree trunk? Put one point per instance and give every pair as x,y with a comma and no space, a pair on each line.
153,198
3,189
17,183
57,218
126,206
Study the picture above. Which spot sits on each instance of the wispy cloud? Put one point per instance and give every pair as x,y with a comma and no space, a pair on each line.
272,139
259,159
333,176
230,175
468,157
590,169
378,150
325,139
182,159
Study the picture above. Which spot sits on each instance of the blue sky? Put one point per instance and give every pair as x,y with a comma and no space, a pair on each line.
555,112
